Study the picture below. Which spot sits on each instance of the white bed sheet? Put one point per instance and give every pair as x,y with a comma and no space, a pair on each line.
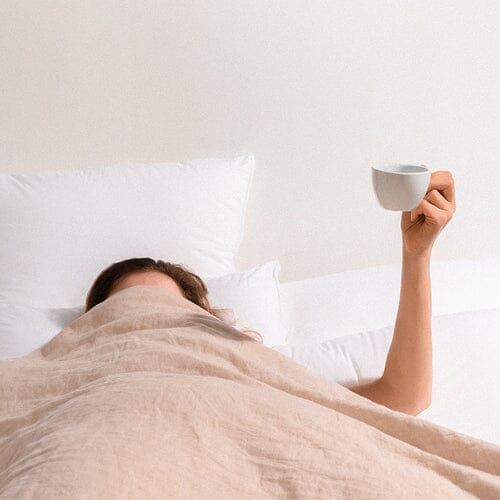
341,326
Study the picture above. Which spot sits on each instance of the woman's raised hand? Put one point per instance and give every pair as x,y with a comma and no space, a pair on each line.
421,226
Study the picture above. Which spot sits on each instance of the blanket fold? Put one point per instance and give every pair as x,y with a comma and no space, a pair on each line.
148,395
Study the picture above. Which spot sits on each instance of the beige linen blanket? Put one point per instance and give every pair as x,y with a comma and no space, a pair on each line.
149,396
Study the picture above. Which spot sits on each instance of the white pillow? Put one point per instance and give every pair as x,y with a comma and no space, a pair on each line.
348,360
61,228
253,296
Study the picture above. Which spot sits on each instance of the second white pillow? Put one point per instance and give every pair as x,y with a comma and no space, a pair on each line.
252,295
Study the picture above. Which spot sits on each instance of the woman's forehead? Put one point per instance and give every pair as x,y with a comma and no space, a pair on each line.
147,275
145,278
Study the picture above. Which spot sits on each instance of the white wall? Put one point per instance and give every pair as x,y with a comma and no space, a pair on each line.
318,91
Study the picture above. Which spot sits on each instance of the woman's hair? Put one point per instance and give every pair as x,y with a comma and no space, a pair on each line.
192,285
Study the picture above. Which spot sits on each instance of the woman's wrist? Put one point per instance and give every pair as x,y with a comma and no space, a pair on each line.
421,256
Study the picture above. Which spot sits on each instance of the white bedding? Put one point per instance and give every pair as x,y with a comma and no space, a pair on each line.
466,377
356,301
341,326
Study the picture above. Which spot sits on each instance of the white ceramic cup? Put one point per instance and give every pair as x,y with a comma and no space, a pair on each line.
400,187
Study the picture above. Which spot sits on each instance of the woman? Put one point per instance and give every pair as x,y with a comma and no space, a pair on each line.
146,271
406,383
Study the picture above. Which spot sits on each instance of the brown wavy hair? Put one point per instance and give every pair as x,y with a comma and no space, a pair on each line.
191,284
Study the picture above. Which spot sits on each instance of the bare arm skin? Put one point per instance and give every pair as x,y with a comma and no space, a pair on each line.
406,383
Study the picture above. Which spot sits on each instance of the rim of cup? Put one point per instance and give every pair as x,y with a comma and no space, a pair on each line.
400,169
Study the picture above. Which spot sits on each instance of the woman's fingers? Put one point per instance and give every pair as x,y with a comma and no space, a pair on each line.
436,198
437,208
442,180
433,214
440,194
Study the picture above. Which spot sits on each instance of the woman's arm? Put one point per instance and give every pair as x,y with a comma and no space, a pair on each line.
406,384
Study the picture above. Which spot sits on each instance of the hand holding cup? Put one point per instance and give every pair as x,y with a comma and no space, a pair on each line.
426,200
421,226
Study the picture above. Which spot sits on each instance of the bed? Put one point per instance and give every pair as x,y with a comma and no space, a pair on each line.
148,396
